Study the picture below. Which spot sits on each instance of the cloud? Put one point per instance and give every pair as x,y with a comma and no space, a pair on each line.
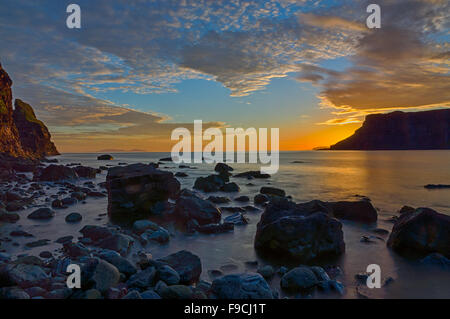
331,22
399,66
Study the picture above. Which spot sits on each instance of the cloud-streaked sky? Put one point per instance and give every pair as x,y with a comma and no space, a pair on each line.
138,69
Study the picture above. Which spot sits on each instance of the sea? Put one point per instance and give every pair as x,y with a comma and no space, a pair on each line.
390,179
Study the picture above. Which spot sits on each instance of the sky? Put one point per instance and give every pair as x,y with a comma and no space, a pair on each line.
137,69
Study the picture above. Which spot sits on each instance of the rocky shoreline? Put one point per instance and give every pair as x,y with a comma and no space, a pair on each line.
147,205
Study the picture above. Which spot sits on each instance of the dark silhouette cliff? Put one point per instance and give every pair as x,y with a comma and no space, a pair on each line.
22,135
427,130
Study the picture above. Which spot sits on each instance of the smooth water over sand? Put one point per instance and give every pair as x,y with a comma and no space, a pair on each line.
390,179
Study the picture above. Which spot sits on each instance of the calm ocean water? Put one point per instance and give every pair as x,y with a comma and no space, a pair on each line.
390,179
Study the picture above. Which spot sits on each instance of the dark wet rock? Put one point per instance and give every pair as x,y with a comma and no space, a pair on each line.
266,271
45,254
42,214
132,295
54,173
121,263
437,260
420,233
105,276
69,201
218,199
36,291
73,218
176,292
272,191
223,168
186,264
211,183
75,250
96,232
117,242
359,211
150,294
166,159
15,206
436,186
236,219
134,189
193,207
252,174
142,279
215,228
230,188
299,231
8,217
105,157
10,197
232,209
96,194
261,199
86,172
242,199
23,275
141,226
37,243
241,286
298,279
168,275
160,235
20,233
11,293
406,209
63,240
181,174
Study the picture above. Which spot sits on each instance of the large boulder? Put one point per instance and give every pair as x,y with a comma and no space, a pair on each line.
241,286
86,172
272,191
211,183
134,189
359,211
223,168
22,274
299,231
189,207
53,173
298,279
100,273
421,232
186,264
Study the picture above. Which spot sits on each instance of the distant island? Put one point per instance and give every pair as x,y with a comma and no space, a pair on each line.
427,130
112,150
